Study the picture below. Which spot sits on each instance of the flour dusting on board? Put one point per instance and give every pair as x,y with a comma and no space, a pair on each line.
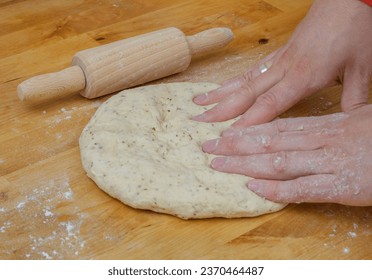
60,236
67,114
342,237
66,236
40,219
6,225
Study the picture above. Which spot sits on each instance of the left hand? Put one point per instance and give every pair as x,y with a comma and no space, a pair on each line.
315,159
333,42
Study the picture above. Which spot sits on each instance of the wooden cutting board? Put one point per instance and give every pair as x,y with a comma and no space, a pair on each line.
49,209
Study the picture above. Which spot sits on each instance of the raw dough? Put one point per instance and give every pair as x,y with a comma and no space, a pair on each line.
142,148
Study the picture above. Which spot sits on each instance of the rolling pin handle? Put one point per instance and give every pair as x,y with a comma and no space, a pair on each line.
209,40
58,84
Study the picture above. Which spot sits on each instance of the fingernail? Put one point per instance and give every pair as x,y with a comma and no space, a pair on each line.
210,145
199,118
218,163
200,98
255,186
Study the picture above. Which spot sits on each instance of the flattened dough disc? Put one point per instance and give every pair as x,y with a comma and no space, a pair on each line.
142,148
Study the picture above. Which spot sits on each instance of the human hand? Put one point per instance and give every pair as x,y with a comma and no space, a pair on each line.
314,159
333,42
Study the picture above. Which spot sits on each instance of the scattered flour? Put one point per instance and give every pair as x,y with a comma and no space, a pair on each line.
352,234
21,205
64,240
343,235
67,114
47,191
334,231
48,213
346,250
53,233
6,225
68,195
46,256
322,105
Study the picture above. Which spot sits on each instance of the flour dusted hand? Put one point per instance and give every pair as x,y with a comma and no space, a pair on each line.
142,148
318,159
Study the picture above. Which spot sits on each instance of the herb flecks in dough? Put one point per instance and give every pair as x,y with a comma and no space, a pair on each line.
142,148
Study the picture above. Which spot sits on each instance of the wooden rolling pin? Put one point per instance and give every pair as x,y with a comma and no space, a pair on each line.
125,63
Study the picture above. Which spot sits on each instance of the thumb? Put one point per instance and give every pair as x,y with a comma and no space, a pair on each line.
355,89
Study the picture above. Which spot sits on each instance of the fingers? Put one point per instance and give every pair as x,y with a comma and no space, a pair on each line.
279,98
287,125
355,89
282,135
218,94
277,166
258,144
228,108
237,95
313,188
245,92
233,84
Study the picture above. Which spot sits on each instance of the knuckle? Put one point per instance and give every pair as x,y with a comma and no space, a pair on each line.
235,144
331,153
248,76
268,100
264,143
280,125
279,162
303,69
303,66
248,87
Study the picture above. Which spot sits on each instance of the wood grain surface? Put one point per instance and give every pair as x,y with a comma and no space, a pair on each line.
49,209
